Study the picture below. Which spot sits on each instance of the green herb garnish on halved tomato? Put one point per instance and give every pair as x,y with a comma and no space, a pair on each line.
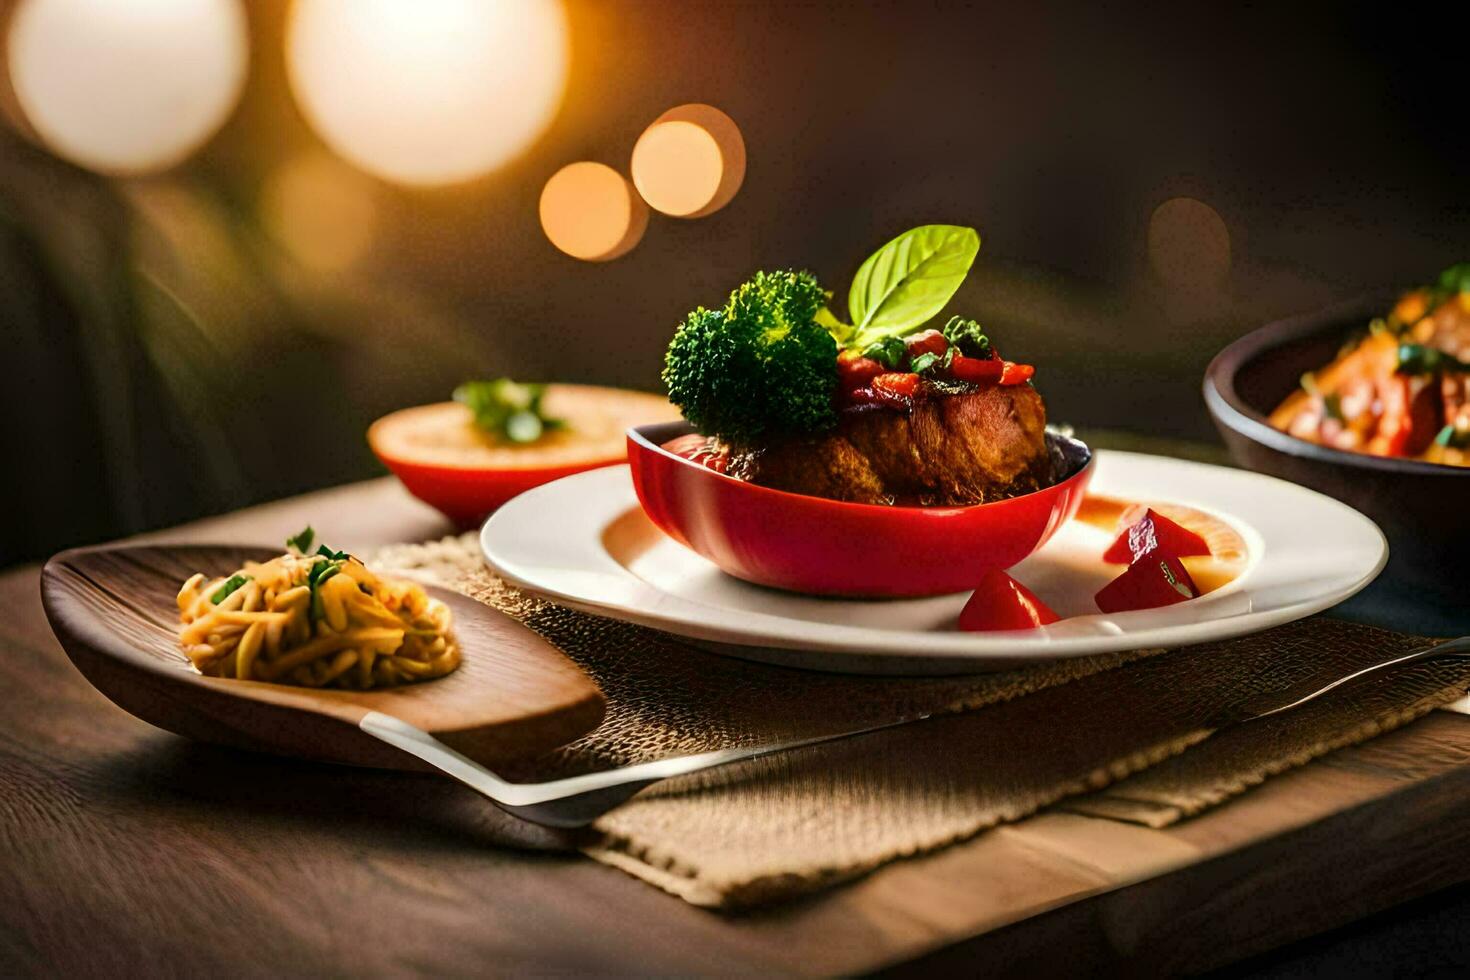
510,411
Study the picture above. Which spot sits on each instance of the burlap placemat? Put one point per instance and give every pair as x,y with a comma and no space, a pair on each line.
1079,733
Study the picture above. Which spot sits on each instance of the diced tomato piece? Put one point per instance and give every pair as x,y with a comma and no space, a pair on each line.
699,449
1147,584
1002,603
975,370
1154,534
855,371
1426,408
1411,412
927,342
1014,374
895,388
1395,425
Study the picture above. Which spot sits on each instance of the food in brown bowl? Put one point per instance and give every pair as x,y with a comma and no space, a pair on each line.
1401,388
1419,504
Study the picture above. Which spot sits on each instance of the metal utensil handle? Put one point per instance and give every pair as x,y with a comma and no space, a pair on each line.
576,800
1295,695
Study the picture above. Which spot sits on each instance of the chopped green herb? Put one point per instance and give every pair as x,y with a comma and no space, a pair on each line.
1455,279
1453,438
230,585
923,362
1419,359
320,572
508,410
1332,406
328,553
302,540
889,352
968,336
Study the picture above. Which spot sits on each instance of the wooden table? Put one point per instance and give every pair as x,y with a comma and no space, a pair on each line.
124,849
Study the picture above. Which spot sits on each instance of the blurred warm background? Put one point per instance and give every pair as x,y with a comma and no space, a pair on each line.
232,234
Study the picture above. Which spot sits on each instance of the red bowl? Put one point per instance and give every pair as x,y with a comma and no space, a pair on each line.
444,461
826,547
467,496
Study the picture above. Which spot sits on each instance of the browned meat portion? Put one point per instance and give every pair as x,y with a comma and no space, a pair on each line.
948,448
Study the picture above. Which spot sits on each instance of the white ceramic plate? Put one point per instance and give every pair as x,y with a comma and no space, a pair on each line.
584,542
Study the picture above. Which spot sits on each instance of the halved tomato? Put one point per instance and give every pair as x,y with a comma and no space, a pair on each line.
446,461
1002,603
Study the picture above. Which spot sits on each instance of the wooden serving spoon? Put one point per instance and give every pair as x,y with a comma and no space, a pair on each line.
113,609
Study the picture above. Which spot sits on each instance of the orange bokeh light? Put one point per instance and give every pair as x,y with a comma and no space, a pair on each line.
321,210
690,162
591,212
1188,245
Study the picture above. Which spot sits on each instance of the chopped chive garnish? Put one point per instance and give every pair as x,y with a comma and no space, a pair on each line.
302,541
230,585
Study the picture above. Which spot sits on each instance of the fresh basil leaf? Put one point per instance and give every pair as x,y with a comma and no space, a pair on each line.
230,585
302,540
909,280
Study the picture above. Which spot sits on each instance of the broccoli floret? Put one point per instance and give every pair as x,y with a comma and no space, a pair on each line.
761,366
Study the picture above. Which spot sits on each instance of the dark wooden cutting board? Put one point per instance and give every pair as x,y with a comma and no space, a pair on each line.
114,611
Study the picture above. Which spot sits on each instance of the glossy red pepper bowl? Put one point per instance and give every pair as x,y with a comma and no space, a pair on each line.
818,546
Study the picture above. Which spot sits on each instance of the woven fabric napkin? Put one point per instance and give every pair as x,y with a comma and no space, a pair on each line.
1082,734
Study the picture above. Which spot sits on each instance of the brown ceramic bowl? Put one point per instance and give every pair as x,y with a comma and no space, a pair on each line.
1423,508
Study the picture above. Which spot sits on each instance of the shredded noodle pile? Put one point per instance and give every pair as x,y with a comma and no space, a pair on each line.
321,620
